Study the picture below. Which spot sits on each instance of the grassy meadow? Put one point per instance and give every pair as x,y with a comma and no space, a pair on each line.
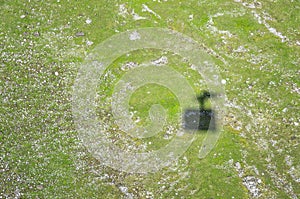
254,44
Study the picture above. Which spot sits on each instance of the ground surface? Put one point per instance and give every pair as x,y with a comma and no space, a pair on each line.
254,44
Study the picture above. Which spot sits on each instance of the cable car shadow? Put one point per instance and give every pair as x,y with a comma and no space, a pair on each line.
201,119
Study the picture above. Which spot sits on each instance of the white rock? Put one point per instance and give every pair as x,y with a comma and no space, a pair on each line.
123,189
134,36
123,10
89,43
161,61
238,165
88,21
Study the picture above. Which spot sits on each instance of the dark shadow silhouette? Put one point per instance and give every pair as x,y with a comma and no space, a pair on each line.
201,119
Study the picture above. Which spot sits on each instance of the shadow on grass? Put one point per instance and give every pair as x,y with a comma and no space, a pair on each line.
200,119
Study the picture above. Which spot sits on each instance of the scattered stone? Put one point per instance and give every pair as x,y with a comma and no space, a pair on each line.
88,21
134,36
161,61
40,187
123,10
124,190
36,34
251,184
240,49
288,160
128,66
295,173
79,34
147,9
136,17
238,165
89,43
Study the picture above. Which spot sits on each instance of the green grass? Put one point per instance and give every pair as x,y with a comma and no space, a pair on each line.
40,153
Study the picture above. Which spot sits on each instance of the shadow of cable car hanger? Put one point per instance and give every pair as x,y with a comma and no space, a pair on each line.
201,119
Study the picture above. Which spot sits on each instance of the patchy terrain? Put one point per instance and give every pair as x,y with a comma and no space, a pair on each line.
254,44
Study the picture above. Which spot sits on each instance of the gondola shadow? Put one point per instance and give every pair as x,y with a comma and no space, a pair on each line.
201,119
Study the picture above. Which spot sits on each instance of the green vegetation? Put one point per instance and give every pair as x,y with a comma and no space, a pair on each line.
255,45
